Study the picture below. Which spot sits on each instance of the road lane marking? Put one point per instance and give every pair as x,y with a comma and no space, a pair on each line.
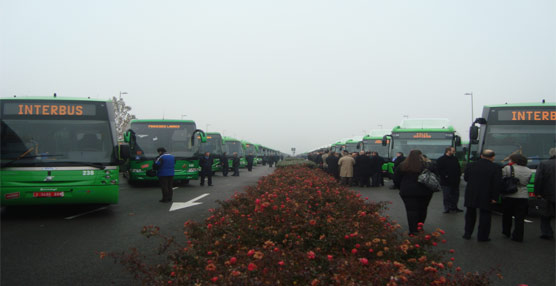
177,205
86,213
174,188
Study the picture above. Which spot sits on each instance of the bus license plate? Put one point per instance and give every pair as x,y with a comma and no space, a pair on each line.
48,194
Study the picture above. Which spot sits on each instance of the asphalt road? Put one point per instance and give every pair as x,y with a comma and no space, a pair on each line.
59,245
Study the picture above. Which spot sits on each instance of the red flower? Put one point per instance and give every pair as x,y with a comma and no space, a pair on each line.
214,279
233,260
281,263
251,267
364,261
250,252
354,251
311,255
330,257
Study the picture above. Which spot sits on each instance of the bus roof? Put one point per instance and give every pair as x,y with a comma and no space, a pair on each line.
523,104
214,133
226,138
420,124
54,98
377,134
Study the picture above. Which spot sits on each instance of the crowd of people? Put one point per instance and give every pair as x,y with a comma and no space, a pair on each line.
484,180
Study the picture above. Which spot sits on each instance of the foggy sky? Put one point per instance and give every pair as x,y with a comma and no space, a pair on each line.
284,73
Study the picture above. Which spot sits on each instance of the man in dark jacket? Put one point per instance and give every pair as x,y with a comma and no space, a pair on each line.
206,168
164,165
235,165
376,169
332,162
397,161
483,181
249,159
545,187
450,173
362,169
225,164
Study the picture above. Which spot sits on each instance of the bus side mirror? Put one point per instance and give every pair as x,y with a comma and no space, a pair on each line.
473,133
127,136
458,141
201,133
385,140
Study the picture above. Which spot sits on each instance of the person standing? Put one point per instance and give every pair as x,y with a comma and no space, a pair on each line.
415,196
516,204
363,169
324,163
164,165
376,169
235,164
206,168
483,179
332,162
545,188
346,164
225,164
450,174
397,161
249,159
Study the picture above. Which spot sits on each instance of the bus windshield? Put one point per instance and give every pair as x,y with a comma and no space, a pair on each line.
533,141
213,145
376,146
33,142
433,149
250,150
352,147
175,137
234,146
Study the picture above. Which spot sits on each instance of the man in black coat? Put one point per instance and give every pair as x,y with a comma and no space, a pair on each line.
206,168
376,169
362,169
332,162
545,187
235,165
397,161
249,159
450,173
225,164
483,181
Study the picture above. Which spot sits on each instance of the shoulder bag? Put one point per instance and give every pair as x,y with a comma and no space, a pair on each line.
509,184
430,180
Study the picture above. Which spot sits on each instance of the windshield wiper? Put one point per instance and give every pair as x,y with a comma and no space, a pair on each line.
28,157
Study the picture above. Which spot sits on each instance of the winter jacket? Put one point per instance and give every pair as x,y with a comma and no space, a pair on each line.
409,187
545,179
484,179
165,165
449,170
346,166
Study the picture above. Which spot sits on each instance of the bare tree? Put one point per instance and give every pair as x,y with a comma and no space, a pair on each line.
122,116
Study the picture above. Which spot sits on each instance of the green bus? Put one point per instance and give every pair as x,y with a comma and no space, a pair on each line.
231,146
178,137
354,145
59,151
250,149
213,145
430,135
372,142
527,128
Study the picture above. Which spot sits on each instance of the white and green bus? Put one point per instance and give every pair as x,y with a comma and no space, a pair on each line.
59,151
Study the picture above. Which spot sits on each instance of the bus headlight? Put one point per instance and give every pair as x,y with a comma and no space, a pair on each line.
136,170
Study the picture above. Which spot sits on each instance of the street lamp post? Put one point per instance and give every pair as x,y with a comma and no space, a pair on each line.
471,93
207,129
183,115
122,92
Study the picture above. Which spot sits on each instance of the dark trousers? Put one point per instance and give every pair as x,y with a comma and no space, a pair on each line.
236,171
364,181
208,176
346,181
451,197
249,166
546,228
225,169
484,223
518,209
377,179
416,210
166,186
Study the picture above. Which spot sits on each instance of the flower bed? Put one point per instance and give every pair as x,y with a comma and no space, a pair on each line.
289,162
299,227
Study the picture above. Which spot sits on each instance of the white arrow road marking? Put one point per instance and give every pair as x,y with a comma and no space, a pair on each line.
177,205
85,213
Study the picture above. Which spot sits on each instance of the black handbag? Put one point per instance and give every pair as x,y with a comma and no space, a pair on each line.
430,180
509,184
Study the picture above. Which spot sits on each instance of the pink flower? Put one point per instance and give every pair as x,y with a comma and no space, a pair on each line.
233,260
250,252
214,279
354,251
251,267
364,261
281,263
311,255
330,257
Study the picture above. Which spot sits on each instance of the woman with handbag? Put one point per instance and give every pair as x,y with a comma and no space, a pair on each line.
415,196
516,204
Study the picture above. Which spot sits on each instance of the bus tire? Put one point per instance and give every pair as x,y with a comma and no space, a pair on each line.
185,182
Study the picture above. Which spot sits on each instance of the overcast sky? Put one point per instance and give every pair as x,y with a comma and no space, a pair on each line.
284,73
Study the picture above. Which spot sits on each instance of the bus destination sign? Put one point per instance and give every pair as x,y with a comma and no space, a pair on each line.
49,109
423,135
163,126
527,115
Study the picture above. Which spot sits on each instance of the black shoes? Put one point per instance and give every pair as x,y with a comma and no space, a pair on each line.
466,236
547,237
483,240
458,210
165,201
446,212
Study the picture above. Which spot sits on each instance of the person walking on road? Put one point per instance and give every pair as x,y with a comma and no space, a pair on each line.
415,196
450,174
483,179
235,165
545,188
164,165
225,164
516,204
206,168
346,164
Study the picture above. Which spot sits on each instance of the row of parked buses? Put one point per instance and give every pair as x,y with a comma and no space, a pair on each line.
65,150
526,128
182,139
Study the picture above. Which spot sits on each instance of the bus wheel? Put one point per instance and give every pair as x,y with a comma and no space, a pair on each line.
185,182
132,183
